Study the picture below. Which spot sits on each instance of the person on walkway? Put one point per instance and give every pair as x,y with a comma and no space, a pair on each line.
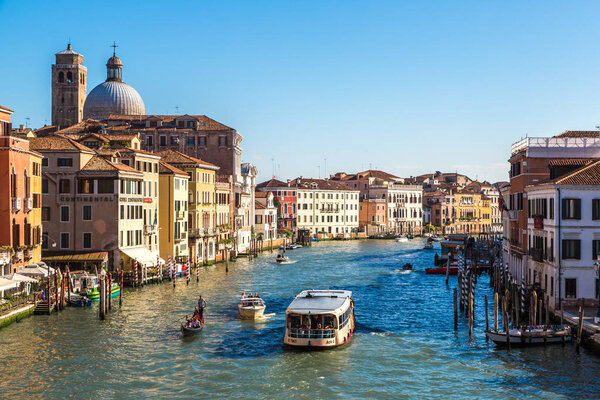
201,305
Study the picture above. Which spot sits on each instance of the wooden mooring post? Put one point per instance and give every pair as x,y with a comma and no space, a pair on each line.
487,322
454,300
495,311
471,314
580,324
102,298
121,287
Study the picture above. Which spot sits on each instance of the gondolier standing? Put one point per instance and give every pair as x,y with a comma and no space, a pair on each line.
201,305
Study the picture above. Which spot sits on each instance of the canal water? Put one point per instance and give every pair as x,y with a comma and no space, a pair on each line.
404,347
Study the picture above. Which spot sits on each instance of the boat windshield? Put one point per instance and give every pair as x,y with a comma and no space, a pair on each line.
252,302
317,326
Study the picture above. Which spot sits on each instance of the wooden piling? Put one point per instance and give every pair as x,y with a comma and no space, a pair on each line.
470,314
454,300
109,290
487,323
547,311
101,299
580,324
535,309
562,314
495,311
121,287
505,318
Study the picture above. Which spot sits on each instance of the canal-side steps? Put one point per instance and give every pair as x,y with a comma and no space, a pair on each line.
43,307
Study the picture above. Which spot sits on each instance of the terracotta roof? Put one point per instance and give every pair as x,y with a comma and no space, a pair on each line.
98,163
373,173
321,184
113,138
56,142
175,157
6,109
45,130
579,134
87,125
271,183
556,162
204,122
168,169
261,194
108,151
259,205
587,175
137,151
90,134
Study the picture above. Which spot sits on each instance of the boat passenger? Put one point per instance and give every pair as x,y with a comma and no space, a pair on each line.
256,296
243,295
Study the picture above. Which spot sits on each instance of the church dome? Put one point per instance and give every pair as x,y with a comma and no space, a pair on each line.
113,96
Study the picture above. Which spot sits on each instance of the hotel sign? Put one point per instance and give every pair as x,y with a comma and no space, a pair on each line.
87,198
147,199
131,199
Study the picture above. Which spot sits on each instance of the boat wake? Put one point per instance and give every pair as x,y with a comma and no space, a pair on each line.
285,263
401,271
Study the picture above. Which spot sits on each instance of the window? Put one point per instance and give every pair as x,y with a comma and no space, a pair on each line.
87,213
64,240
61,77
191,141
87,240
64,213
571,288
163,140
106,186
551,213
174,140
45,241
222,141
571,209
596,209
69,77
201,140
44,162
571,249
85,186
150,140
64,162
64,186
45,213
44,185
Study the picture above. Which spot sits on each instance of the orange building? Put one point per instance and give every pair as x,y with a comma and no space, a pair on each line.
20,202
372,216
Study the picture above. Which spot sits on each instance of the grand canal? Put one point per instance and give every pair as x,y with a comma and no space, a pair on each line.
405,345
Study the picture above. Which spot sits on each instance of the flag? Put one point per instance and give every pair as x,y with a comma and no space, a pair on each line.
501,204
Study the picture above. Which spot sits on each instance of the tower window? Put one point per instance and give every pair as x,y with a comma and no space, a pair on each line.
61,77
69,77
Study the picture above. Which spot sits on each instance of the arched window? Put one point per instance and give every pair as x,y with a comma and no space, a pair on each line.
61,77
26,184
13,183
69,77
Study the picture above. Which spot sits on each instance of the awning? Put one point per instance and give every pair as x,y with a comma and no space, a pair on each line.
36,270
20,278
7,284
141,255
100,256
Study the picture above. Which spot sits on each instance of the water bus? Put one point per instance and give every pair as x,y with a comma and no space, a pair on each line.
320,319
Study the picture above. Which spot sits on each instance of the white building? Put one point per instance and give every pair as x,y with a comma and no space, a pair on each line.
563,233
265,215
244,207
326,206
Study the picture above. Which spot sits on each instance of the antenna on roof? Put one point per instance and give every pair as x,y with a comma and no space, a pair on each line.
27,122
177,110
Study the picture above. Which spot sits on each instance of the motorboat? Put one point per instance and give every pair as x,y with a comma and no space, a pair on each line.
290,247
282,258
437,238
441,271
402,239
85,284
251,308
407,267
319,319
79,301
428,245
532,335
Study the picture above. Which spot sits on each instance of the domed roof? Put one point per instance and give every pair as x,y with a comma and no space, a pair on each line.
113,97
114,61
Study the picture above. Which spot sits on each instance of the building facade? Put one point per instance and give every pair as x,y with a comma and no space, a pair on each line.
173,194
69,77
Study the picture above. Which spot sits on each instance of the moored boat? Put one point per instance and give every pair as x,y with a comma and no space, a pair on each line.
251,308
79,301
320,319
85,284
402,239
441,271
428,245
532,335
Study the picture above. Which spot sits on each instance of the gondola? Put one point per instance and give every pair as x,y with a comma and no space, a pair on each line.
532,335
187,330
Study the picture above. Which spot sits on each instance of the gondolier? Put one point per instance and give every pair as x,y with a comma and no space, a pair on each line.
201,305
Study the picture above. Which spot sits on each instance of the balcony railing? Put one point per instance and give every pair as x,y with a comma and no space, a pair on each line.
179,214
182,236
194,233
16,203
537,254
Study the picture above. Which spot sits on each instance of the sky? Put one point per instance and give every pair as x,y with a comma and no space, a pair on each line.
318,87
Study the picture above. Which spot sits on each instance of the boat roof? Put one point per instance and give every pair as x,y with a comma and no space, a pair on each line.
452,243
318,301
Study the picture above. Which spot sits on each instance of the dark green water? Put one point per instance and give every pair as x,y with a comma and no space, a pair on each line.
404,347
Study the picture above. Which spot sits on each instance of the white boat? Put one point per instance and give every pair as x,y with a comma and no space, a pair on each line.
532,335
319,319
402,239
251,308
282,259
428,245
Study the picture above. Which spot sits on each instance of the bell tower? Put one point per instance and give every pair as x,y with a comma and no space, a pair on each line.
69,77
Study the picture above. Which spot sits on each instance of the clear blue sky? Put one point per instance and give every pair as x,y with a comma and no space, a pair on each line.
404,86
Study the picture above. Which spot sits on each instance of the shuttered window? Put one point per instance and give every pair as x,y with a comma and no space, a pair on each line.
571,209
571,249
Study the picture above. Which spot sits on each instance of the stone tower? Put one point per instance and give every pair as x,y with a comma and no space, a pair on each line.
69,77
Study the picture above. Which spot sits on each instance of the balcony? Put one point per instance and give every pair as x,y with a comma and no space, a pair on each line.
537,254
566,146
182,236
27,204
195,233
16,203
5,254
179,214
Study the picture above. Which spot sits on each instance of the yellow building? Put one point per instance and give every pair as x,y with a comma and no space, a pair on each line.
35,215
173,210
471,212
202,213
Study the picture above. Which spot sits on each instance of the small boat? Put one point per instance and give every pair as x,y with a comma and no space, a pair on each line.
428,245
282,258
290,247
407,267
319,319
402,239
441,271
437,238
532,335
410,237
85,284
187,330
251,308
79,301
